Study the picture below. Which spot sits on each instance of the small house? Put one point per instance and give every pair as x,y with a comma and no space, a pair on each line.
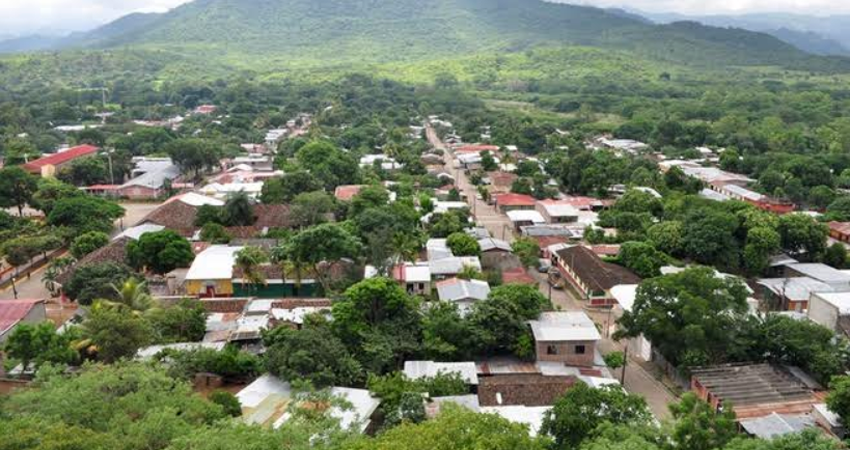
565,336
463,293
592,277
514,202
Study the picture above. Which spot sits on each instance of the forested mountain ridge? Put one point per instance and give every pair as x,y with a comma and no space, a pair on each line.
316,33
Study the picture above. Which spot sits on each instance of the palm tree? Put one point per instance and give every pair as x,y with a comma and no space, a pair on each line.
134,294
56,268
249,260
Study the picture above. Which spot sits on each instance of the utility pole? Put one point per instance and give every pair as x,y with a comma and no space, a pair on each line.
625,363
111,173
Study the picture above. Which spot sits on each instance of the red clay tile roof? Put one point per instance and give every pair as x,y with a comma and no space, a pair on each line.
174,215
840,227
593,272
515,200
606,250
114,252
528,389
272,216
60,158
517,276
347,192
14,311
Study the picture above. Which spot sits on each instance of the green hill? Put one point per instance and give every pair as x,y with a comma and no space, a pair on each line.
274,34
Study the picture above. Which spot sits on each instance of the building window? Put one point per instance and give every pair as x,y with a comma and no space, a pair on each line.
580,350
551,350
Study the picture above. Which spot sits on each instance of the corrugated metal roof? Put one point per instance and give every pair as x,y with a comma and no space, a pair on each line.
458,290
214,263
557,326
422,369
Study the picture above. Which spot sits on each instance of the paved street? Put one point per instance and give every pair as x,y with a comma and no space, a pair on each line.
637,380
32,287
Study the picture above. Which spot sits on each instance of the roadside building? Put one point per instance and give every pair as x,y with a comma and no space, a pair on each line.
557,211
523,218
569,337
149,184
592,277
16,312
756,390
49,165
514,202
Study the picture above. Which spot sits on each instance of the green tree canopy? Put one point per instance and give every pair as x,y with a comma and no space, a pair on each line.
160,252
17,187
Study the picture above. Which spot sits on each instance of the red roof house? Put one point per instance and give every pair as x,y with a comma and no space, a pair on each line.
510,202
49,165
346,193
13,312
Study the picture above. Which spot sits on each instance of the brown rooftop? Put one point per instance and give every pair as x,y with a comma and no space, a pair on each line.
114,252
531,389
597,274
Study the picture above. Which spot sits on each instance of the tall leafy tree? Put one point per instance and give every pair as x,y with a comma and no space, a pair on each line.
17,187
698,426
691,317
160,252
321,246
579,412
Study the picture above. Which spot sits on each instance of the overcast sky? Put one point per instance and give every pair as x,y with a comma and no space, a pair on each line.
27,16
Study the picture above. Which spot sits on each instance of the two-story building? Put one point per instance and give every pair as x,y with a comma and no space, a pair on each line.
569,337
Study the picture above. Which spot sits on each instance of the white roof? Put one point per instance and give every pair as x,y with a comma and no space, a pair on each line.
559,209
743,192
776,425
489,243
839,300
453,265
153,350
268,395
155,178
713,195
296,315
195,199
797,289
229,188
422,369
525,215
214,263
460,290
438,249
831,418
136,232
527,415
564,326
417,273
625,295
649,191
441,207
821,272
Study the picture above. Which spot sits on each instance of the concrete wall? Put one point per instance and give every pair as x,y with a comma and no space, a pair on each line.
223,288
823,313
566,352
